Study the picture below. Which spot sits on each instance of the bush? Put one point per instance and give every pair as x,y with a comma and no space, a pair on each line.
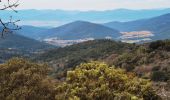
97,81
23,80
159,76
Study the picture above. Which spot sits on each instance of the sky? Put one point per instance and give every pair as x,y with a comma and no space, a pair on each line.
85,5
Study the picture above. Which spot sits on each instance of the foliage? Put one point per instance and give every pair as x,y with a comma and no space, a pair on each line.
155,54
23,80
131,57
98,81
71,56
159,76
164,45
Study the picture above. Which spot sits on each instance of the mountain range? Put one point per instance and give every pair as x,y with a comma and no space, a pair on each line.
159,26
142,30
60,17
155,28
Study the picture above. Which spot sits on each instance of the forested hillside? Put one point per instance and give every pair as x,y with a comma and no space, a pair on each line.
67,58
146,60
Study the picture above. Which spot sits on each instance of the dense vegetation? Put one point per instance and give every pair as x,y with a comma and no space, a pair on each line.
152,58
147,60
68,57
97,81
8,53
24,80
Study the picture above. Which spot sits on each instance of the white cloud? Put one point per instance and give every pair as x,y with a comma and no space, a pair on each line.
93,4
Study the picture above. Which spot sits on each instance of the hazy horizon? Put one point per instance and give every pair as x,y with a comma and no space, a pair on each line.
97,10
90,5
88,10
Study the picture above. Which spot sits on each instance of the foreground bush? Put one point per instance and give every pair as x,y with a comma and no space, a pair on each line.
97,81
23,80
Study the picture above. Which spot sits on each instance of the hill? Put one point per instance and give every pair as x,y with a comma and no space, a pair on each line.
159,26
63,59
80,30
15,41
31,31
143,59
14,45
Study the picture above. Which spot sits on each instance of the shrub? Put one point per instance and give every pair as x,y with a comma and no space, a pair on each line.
159,76
97,81
23,80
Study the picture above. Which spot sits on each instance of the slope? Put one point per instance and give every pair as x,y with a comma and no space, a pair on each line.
160,26
81,30
20,42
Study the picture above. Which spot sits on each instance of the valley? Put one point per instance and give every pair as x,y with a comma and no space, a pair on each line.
117,54
137,31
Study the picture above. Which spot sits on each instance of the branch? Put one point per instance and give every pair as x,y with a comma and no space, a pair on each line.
10,26
10,6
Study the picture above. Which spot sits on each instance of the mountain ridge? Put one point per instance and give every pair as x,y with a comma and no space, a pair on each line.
64,16
80,30
157,25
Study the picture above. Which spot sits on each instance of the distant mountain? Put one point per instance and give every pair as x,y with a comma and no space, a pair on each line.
159,26
61,16
15,41
80,30
31,31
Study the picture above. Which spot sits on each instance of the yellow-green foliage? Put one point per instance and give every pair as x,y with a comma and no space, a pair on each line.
97,81
23,80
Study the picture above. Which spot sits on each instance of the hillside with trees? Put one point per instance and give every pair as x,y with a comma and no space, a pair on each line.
144,59
63,59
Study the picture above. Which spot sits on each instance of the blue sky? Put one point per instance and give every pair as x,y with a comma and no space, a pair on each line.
93,4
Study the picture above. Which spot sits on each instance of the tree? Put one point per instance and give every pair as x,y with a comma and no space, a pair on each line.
23,80
9,27
159,76
98,81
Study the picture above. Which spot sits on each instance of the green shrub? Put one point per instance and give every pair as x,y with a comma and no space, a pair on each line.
98,81
159,76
